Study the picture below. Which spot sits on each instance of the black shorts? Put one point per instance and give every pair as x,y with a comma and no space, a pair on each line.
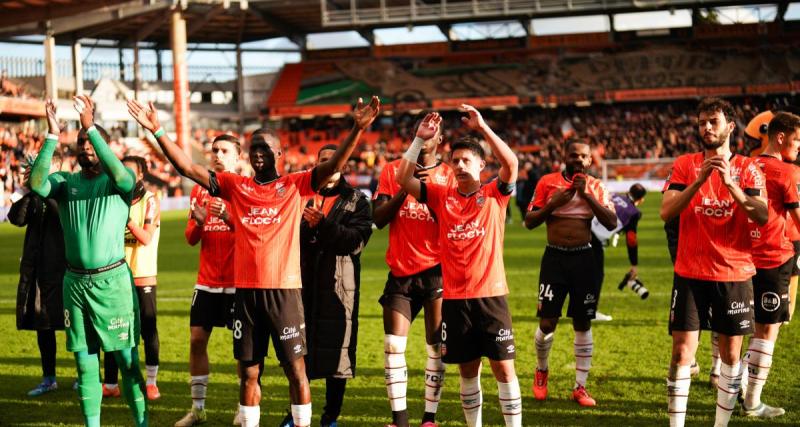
796,265
210,309
406,295
568,272
771,293
259,314
477,327
728,304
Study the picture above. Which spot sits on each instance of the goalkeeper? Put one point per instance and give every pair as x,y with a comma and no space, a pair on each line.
100,308
628,216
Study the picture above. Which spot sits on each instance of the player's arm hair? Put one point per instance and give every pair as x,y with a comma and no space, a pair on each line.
349,237
538,216
193,232
23,209
336,163
509,164
40,172
121,176
386,208
183,164
753,203
606,216
677,198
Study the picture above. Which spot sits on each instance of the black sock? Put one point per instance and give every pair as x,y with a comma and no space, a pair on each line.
400,418
429,416
47,350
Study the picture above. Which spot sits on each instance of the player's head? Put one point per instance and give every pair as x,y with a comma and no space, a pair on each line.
755,133
467,159
637,193
430,144
87,158
270,138
784,133
225,152
577,156
326,153
265,149
715,122
137,164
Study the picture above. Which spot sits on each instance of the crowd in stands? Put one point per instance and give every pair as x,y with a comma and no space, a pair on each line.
635,130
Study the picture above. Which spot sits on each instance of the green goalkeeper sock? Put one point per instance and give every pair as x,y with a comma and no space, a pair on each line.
133,384
90,391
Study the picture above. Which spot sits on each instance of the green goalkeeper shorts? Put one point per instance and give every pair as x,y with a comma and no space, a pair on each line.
101,310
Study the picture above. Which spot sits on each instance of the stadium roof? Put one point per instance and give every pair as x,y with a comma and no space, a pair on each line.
238,21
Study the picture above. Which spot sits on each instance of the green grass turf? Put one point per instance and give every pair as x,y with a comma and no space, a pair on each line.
628,377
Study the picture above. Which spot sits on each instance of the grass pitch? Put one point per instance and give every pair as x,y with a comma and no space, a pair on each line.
628,375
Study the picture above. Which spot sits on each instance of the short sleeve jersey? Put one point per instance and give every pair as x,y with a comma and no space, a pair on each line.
771,244
791,227
471,231
575,208
413,232
94,215
141,258
267,222
715,240
216,244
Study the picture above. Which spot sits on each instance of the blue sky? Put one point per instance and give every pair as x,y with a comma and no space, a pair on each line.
423,33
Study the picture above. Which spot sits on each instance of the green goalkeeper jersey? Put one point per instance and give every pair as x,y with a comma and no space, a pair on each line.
93,211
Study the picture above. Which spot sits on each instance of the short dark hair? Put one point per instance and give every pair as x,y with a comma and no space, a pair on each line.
82,135
575,140
264,131
714,105
637,191
783,122
141,163
333,147
229,138
468,143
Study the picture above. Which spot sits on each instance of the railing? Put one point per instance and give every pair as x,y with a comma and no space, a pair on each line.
94,70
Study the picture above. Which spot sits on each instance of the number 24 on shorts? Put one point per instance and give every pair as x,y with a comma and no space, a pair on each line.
545,291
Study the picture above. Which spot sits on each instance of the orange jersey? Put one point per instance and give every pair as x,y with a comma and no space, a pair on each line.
216,243
791,228
471,231
577,207
715,240
267,221
771,244
413,232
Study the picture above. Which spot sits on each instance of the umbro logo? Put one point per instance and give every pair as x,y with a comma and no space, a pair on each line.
297,349
510,348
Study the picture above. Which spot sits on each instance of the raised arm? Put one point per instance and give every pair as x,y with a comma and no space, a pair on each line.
147,117
363,116
119,174
509,164
40,172
408,164
678,196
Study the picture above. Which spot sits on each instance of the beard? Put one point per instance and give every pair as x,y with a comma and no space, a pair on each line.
85,162
572,169
713,145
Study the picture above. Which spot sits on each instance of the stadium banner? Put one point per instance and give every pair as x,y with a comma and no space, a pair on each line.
587,39
720,91
482,102
21,106
623,185
653,94
769,88
748,31
490,44
417,50
353,52
309,110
